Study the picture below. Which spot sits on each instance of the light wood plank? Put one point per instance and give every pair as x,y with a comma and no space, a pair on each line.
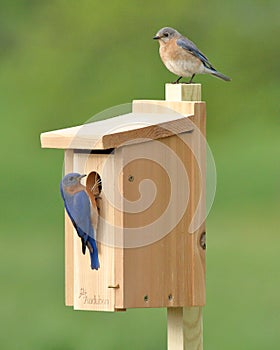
175,261
185,325
69,240
114,132
183,92
119,224
175,334
185,328
193,328
183,108
91,290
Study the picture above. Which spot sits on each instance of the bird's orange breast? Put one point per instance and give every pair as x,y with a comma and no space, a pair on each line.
178,60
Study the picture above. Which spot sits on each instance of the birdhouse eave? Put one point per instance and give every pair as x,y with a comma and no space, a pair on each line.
135,127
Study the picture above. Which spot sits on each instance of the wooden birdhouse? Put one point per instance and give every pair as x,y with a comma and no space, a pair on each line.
149,167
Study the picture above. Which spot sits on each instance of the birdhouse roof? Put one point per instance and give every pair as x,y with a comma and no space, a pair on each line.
136,127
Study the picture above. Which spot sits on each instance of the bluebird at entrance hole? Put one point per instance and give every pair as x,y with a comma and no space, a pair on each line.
182,57
79,209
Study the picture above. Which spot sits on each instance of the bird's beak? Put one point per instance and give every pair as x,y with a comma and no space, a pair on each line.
81,176
156,37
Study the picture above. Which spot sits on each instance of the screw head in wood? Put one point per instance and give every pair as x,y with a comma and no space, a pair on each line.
131,178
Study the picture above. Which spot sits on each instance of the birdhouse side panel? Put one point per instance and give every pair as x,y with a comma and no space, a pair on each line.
164,264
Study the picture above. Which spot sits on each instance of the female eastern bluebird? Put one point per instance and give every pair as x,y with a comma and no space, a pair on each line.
80,211
182,57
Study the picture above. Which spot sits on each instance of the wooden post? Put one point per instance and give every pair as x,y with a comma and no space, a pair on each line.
184,324
185,328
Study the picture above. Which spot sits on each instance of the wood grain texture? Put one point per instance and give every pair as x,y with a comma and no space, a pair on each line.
175,108
183,92
184,328
69,240
119,224
91,290
176,262
185,325
175,330
115,132
193,328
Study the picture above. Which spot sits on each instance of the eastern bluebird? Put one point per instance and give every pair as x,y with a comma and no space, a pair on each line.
182,57
80,211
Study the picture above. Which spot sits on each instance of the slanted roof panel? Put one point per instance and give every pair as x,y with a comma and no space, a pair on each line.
118,131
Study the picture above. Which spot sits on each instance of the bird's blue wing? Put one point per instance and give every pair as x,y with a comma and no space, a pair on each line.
94,261
78,209
188,45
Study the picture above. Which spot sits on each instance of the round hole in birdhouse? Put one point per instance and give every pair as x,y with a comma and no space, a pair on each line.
94,184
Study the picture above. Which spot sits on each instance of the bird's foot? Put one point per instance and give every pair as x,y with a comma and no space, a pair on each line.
177,81
191,80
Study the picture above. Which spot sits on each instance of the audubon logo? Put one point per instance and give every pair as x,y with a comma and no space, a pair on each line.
95,299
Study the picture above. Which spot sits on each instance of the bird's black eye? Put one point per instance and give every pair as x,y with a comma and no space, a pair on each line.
71,178
165,34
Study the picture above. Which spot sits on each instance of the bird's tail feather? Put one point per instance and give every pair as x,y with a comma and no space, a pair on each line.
91,244
220,75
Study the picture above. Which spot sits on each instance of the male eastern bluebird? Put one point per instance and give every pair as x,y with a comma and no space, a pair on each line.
182,57
80,211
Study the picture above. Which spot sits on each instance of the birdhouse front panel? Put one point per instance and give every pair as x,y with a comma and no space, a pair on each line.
94,289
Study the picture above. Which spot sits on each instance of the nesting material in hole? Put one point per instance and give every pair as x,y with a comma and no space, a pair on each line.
94,184
94,187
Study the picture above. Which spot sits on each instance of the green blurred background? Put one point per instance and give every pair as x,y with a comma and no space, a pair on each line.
61,62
